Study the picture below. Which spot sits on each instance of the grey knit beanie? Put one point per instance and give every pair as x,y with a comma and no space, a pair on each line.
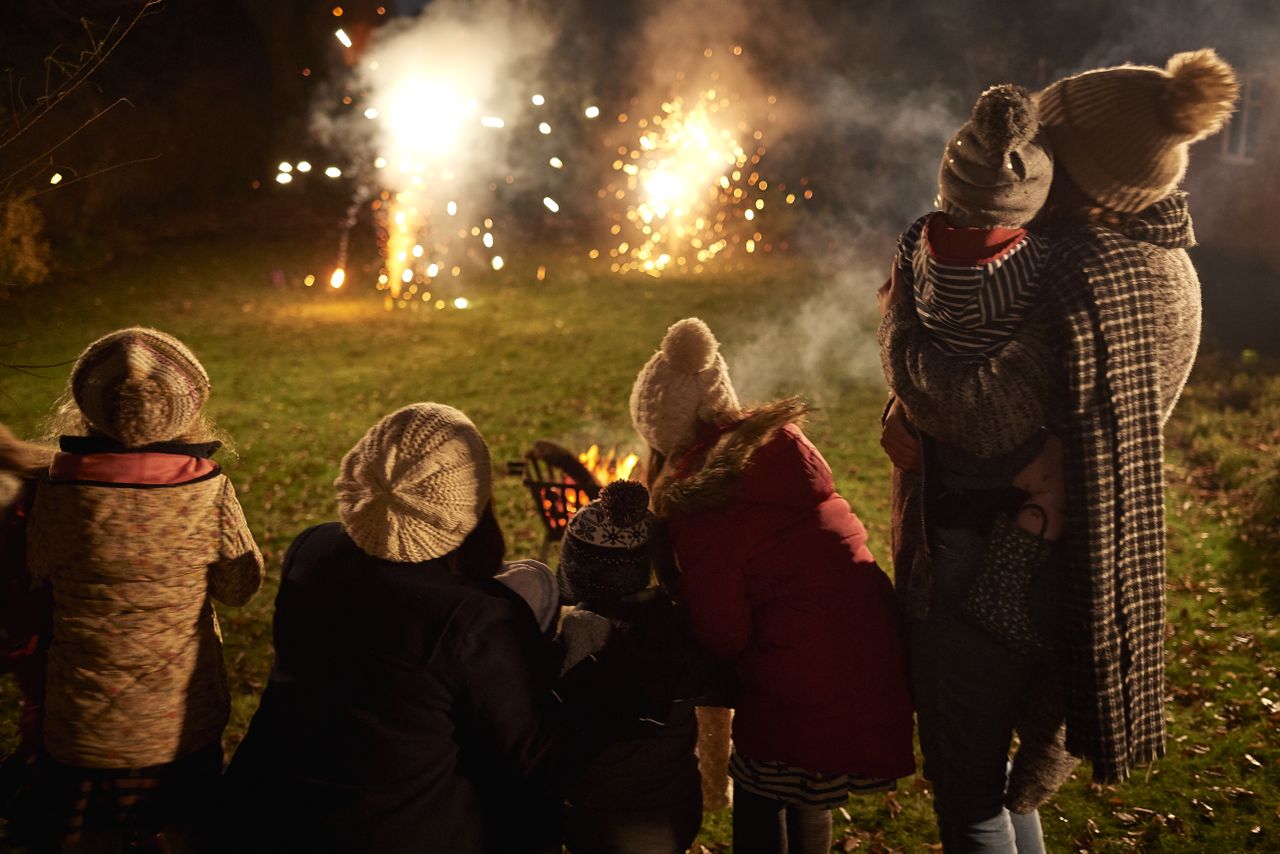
685,382
1122,133
139,386
416,484
996,170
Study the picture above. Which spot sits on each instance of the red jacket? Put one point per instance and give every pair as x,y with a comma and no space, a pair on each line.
778,578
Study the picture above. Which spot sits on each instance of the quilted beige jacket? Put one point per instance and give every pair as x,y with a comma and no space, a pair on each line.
135,675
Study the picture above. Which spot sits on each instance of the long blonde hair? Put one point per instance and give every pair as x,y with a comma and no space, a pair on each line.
66,419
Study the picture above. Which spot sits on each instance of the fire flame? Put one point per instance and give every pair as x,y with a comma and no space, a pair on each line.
607,467
604,466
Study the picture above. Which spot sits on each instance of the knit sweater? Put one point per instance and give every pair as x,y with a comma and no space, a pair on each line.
1104,365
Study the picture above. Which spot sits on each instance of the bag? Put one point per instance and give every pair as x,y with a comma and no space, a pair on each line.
1011,596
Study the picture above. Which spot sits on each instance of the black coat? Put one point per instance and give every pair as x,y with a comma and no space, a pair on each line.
648,761
409,709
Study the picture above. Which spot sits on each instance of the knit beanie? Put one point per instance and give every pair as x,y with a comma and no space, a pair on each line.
996,170
1122,133
139,386
416,484
533,582
684,382
608,546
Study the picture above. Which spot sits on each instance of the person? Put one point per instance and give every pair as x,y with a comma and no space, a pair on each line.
410,706
972,270
25,614
1103,364
641,793
136,530
778,579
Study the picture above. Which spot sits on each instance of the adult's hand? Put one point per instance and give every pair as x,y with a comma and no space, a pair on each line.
899,439
893,291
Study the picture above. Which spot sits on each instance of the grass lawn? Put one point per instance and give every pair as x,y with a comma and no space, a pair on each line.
299,374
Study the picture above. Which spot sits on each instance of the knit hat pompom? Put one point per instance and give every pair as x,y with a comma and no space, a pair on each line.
996,170
608,546
689,346
1122,134
684,382
1201,93
1004,118
416,484
624,502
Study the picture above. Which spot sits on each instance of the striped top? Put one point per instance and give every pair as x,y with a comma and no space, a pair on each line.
779,781
971,309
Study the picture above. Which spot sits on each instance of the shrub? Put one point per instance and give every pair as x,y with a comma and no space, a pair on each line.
24,251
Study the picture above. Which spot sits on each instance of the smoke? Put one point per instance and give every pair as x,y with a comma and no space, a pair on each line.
826,343
868,150
430,88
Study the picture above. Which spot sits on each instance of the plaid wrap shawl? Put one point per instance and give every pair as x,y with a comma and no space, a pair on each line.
1114,602
1102,334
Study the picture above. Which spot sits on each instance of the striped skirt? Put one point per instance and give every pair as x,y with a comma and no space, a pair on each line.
789,784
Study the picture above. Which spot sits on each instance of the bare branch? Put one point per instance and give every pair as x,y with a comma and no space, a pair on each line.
92,61
13,176
95,173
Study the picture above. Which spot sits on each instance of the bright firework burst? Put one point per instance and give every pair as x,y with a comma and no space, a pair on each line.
687,187
426,118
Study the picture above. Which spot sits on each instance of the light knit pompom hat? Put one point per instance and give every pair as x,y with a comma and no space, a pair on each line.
139,386
996,170
416,484
685,382
1122,133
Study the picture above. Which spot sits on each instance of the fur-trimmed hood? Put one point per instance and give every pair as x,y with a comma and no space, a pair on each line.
726,456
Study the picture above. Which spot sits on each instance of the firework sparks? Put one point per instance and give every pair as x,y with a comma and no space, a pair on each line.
687,184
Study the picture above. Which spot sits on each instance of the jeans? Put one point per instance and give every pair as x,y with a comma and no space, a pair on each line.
967,688
764,826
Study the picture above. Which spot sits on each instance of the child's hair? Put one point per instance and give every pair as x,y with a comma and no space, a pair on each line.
136,386
22,458
66,419
481,553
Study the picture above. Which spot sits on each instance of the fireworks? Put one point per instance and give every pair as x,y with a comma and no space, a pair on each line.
434,131
687,185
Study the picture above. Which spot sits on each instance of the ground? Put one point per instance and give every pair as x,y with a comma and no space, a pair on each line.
300,373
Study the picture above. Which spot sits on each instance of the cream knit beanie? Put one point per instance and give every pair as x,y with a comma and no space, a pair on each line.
139,386
996,171
416,484
685,382
1122,133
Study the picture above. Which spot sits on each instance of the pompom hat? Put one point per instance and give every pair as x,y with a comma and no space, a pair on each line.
139,386
416,484
607,549
996,170
1122,133
685,382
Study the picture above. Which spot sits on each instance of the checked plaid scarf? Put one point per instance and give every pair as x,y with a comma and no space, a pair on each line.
1102,282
